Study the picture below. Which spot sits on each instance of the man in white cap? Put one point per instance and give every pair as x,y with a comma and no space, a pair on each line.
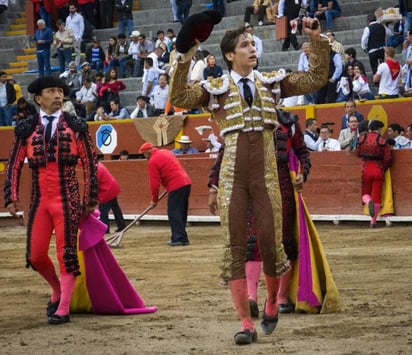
73,79
133,50
185,147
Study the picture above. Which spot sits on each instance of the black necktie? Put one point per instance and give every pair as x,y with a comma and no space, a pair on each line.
324,144
247,91
140,113
49,128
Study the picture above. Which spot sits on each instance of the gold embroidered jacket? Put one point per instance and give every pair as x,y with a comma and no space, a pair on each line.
222,96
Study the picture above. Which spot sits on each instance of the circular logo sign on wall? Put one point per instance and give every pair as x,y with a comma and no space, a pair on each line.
106,138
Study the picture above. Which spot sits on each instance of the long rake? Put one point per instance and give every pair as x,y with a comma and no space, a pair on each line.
116,239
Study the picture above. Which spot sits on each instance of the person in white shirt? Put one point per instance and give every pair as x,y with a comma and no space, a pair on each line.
158,51
310,135
213,144
143,109
100,114
161,38
160,94
144,48
327,144
85,96
150,78
196,75
394,132
75,22
388,75
133,51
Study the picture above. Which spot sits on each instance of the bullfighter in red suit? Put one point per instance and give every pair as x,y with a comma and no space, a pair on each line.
52,142
242,104
165,169
287,137
376,157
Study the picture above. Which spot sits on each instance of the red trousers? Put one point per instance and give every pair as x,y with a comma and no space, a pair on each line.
372,180
55,206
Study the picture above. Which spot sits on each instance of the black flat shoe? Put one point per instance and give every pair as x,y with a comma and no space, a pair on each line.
245,337
269,323
52,308
286,307
56,319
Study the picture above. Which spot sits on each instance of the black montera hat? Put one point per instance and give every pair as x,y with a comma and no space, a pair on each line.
36,86
198,26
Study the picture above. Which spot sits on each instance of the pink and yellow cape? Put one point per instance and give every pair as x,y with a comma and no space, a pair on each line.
103,287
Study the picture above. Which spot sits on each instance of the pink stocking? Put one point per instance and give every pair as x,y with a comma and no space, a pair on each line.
284,287
366,198
272,286
253,269
67,284
238,288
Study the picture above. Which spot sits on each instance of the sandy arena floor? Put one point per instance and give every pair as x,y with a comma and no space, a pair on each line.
372,270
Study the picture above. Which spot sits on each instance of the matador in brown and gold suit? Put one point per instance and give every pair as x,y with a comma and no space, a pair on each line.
243,105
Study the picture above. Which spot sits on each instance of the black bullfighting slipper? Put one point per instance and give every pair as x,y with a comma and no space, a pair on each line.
269,323
286,307
245,337
52,308
56,319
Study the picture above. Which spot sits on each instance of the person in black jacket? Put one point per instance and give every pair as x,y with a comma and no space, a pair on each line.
373,42
125,16
290,9
7,97
95,55
22,110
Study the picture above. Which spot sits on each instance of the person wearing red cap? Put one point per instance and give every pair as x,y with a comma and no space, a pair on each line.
52,142
243,105
165,169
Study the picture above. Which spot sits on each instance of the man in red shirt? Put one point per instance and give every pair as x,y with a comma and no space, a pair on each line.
108,191
165,169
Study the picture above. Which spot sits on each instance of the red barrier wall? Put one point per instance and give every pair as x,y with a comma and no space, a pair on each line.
333,187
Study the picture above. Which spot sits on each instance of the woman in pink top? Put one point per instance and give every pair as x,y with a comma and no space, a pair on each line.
111,88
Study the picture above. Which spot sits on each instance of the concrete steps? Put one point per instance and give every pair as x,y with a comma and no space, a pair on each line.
156,14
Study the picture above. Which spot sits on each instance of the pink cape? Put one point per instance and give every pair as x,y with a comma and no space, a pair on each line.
109,288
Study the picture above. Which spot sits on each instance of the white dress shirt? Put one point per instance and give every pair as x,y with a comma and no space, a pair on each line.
330,144
76,23
45,121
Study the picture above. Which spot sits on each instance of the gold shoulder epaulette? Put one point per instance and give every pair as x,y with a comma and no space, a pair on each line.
216,86
271,77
